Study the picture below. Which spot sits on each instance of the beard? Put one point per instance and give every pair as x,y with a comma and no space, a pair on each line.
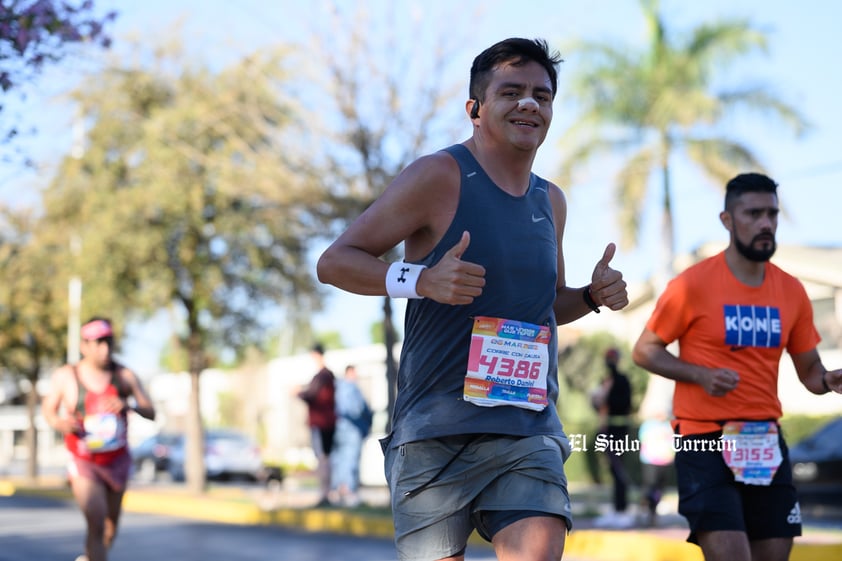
757,255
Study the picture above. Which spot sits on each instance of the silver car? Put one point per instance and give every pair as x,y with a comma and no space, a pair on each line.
229,454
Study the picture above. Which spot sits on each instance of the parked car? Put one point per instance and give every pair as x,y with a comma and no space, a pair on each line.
817,464
151,458
229,454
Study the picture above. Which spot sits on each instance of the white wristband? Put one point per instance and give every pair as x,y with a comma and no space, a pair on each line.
402,278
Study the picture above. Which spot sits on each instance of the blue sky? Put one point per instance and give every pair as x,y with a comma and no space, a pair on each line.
801,67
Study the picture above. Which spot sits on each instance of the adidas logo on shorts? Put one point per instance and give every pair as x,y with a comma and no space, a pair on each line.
794,515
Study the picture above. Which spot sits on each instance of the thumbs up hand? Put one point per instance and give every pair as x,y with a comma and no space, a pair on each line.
607,285
451,280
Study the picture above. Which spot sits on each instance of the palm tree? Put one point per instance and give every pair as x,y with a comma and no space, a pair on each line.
647,106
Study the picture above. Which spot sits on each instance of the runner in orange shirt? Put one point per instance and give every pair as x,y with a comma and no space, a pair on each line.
733,315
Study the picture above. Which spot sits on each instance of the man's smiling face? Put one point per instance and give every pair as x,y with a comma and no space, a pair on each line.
518,105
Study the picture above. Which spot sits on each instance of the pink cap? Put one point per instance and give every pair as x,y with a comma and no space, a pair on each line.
96,329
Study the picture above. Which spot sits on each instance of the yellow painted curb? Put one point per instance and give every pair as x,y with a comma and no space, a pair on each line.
191,506
816,551
230,512
9,488
601,545
628,546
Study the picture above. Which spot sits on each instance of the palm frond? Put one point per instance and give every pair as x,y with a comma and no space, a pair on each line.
630,193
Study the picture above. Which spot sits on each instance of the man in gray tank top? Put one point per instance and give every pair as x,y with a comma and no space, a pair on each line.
476,440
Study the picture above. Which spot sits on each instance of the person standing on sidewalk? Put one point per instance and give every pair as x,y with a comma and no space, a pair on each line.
320,397
733,315
353,423
89,402
476,441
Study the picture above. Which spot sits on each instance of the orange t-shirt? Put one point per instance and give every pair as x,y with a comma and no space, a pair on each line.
720,322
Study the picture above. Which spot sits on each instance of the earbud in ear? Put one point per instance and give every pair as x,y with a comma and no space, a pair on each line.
475,110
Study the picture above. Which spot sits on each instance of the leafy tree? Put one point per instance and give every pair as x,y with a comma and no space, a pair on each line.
190,195
648,106
33,309
382,116
35,33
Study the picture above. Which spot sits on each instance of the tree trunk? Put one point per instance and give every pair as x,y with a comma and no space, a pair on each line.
667,260
195,445
390,340
32,429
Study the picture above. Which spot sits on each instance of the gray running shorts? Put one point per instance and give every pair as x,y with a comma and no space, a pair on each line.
442,489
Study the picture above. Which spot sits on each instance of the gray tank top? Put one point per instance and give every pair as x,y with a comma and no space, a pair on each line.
514,239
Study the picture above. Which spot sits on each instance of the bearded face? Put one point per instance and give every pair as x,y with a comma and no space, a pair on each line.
753,221
761,248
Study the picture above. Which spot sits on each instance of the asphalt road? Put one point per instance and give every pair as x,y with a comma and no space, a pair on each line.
38,529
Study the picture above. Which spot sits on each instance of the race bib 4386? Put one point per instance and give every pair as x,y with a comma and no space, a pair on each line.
507,364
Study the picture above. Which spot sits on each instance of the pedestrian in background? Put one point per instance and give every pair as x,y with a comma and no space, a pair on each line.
353,423
612,401
88,402
320,397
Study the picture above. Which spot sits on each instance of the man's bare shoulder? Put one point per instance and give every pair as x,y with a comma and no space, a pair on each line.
432,169
426,183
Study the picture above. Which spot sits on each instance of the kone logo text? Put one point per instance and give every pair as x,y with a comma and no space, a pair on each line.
752,326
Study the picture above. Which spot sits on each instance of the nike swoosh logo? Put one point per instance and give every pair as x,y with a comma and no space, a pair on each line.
736,348
538,218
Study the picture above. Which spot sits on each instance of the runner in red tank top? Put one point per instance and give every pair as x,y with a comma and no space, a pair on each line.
89,403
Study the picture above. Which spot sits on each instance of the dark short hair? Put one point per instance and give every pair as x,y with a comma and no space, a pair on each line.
318,348
748,183
518,51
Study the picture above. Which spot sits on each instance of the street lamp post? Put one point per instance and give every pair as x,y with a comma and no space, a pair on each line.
74,304
74,290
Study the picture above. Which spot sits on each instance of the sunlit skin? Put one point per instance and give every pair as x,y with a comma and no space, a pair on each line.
506,117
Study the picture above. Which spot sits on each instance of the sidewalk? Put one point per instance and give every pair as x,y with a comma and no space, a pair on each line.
291,504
